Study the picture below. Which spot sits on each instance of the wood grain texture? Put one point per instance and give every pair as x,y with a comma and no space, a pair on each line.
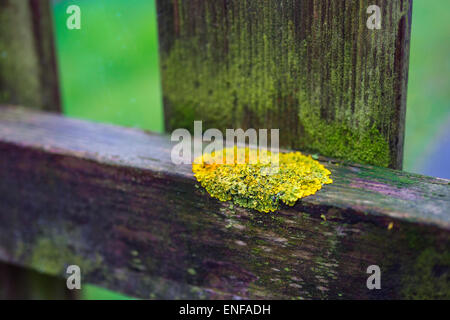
28,76
28,70
309,67
110,200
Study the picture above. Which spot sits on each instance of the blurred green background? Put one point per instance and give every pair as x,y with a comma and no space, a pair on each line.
109,68
109,73
427,141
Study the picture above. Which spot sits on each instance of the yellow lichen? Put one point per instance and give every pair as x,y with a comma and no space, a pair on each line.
254,184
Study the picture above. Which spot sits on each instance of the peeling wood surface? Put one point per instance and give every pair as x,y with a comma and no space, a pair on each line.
110,200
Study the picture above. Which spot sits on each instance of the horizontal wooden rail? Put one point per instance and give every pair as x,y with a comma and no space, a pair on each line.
110,200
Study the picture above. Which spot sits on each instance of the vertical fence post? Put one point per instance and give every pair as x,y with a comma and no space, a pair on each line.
28,77
313,69
28,74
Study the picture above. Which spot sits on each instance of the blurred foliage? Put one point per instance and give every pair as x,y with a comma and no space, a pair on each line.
109,68
91,292
428,106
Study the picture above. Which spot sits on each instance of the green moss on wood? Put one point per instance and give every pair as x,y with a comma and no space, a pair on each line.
430,278
320,75
53,256
19,63
27,59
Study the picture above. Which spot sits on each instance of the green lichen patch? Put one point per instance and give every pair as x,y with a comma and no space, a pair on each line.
52,257
255,184
342,142
430,277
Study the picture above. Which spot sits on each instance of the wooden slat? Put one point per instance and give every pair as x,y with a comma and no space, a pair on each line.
310,67
28,71
110,200
28,76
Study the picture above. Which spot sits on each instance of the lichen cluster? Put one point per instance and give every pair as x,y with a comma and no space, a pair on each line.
255,184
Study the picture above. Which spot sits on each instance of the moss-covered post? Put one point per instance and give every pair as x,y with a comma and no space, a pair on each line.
28,74
309,67
28,77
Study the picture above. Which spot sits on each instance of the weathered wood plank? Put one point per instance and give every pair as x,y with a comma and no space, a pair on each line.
110,200
310,67
28,72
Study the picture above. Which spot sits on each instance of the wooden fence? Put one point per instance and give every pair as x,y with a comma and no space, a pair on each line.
110,200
